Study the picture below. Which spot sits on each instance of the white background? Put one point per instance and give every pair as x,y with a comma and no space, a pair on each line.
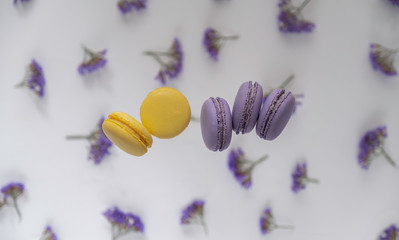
344,97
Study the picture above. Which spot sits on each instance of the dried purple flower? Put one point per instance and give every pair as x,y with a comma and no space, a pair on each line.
48,234
21,1
92,61
290,19
395,2
372,145
268,224
13,190
194,213
242,167
382,59
213,41
171,61
123,223
126,6
300,178
99,143
390,233
34,78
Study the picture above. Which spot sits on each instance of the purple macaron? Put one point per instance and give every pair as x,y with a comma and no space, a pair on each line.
216,124
275,113
246,107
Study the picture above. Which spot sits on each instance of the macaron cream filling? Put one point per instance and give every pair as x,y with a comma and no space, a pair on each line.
248,107
277,101
221,118
124,123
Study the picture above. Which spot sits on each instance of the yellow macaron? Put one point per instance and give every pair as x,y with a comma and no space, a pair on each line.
165,112
127,133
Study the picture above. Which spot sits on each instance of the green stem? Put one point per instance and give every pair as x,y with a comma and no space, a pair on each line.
195,119
17,208
284,226
233,37
263,158
287,81
312,180
157,58
74,137
204,225
388,158
303,5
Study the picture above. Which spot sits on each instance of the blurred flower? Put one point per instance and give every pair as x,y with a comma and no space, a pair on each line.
123,223
21,1
194,213
298,101
395,2
13,190
213,41
390,233
48,234
268,223
34,78
126,6
99,143
300,178
383,58
242,167
372,145
290,18
171,61
92,61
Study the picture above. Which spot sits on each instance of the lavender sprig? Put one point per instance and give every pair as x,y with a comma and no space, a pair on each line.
213,41
395,2
171,61
21,1
13,190
268,223
382,59
126,6
290,18
123,223
390,233
241,167
92,61
300,178
48,234
99,143
194,214
34,78
372,145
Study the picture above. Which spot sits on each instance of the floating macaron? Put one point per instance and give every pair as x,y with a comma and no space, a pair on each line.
216,124
246,107
275,113
127,133
165,113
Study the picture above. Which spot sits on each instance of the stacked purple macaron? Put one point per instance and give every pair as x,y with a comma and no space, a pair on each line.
217,122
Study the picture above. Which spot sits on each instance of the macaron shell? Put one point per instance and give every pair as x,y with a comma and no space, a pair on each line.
282,113
165,112
127,133
211,122
246,107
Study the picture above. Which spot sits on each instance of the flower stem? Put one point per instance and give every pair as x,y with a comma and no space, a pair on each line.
263,158
157,58
284,226
303,5
14,201
74,137
388,158
233,37
204,225
311,180
22,84
287,81
195,119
